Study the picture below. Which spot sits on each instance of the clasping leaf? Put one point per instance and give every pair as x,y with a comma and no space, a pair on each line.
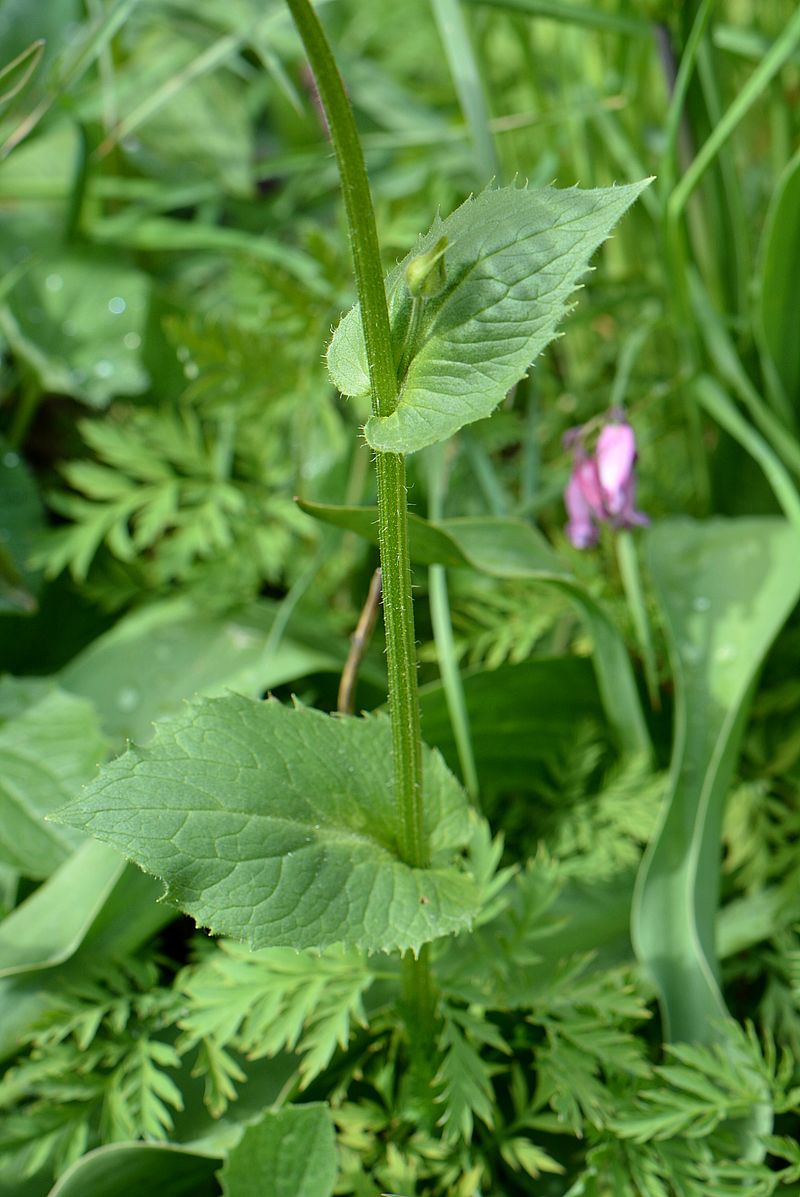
278,826
512,259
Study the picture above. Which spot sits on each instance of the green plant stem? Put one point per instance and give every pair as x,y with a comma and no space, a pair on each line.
24,413
390,467
634,593
443,632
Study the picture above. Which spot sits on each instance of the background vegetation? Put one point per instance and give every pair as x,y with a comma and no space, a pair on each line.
173,261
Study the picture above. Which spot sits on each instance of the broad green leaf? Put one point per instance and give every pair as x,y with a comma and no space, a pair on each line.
130,1169
153,659
777,284
289,1152
278,826
513,259
77,320
48,927
49,745
725,589
129,917
510,548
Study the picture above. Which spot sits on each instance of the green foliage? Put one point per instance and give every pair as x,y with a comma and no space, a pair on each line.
494,626
294,1147
464,1077
298,813
50,743
265,1002
98,1069
163,494
513,258
705,576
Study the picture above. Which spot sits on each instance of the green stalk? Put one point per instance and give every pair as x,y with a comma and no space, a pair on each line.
443,632
781,50
390,467
628,562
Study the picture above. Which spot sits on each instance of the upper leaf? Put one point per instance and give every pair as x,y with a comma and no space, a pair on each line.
513,259
279,826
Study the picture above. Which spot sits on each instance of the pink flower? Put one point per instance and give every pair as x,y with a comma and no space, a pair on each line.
581,527
616,456
602,486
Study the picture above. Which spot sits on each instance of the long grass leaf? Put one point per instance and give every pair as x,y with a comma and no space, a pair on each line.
457,46
725,589
573,14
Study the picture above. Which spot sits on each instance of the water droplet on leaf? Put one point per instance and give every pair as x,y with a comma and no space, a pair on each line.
128,698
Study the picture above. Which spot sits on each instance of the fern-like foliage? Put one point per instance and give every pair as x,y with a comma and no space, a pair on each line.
498,623
704,1086
261,1003
96,1070
464,1074
607,830
762,824
674,1134
164,491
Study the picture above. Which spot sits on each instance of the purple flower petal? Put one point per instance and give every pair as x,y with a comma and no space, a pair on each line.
581,529
587,479
616,457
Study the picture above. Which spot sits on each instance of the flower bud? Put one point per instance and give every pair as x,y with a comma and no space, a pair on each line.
425,274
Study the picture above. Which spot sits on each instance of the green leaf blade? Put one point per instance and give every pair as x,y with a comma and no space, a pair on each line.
49,745
278,826
513,259
293,1149
725,588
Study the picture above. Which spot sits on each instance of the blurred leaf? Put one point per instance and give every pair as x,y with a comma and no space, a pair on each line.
725,589
293,1148
522,717
49,745
777,281
153,659
21,520
279,826
48,927
129,1169
77,320
182,115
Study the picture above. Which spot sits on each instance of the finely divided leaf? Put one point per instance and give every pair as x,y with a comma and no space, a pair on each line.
278,826
513,259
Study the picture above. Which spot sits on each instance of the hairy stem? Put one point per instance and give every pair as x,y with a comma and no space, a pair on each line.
390,467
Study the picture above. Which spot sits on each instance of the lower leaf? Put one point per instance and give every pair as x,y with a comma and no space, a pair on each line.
278,826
